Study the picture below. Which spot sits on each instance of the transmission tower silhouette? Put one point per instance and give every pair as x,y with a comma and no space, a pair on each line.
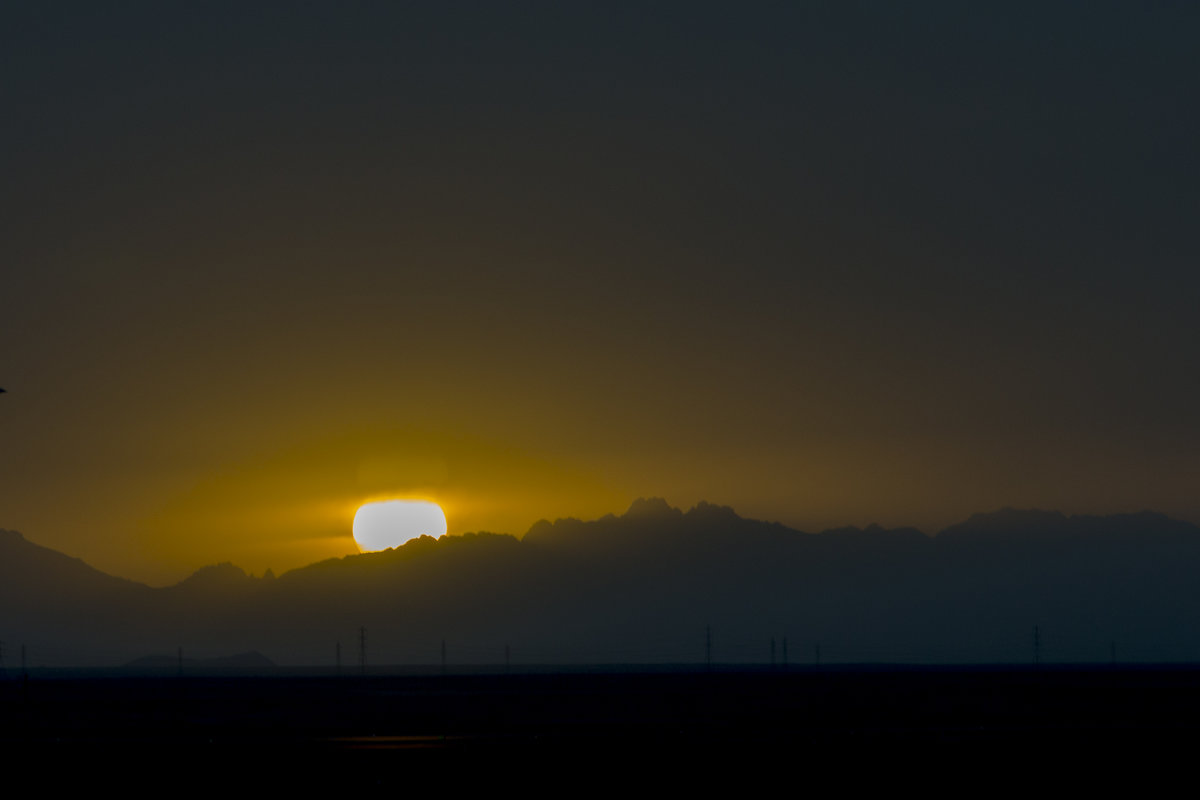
362,650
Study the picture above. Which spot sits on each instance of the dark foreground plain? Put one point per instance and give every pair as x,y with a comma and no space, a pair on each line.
863,724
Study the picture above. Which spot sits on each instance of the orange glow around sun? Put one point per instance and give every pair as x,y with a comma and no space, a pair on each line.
391,523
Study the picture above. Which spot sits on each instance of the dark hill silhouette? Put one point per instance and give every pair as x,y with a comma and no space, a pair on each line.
240,663
644,586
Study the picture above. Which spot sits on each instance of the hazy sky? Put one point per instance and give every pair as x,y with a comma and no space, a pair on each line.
828,263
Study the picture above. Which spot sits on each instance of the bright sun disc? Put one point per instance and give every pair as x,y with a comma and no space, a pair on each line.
391,523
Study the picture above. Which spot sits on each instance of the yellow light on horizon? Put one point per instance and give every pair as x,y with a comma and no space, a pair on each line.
391,523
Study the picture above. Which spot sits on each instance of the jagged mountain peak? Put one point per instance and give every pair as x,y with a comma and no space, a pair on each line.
651,508
215,575
710,512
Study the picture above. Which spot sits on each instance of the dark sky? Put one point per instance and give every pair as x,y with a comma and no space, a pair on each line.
828,263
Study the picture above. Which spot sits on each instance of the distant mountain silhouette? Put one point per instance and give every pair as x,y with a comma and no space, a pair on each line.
61,604
646,586
25,564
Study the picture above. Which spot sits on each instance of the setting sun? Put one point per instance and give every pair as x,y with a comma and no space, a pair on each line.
391,523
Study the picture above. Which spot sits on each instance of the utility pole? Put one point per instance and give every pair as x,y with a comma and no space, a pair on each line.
362,650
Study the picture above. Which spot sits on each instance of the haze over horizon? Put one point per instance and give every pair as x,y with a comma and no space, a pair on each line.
826,265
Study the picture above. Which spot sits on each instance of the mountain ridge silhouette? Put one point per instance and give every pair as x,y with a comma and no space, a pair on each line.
645,586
